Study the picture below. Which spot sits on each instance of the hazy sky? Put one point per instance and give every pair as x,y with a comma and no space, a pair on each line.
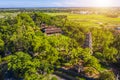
59,3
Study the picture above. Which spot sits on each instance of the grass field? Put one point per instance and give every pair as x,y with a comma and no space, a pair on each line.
90,20
2,15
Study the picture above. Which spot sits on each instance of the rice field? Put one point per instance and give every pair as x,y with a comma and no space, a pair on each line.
93,20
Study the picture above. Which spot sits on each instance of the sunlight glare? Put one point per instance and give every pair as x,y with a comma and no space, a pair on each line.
102,3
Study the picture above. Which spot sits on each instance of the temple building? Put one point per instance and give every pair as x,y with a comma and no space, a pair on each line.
50,30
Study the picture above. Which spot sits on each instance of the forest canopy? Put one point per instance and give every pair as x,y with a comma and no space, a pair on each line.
31,54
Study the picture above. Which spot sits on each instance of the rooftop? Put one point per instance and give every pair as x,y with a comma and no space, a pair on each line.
50,30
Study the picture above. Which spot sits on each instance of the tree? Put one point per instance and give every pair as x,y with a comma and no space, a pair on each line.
1,45
116,44
110,54
22,64
40,18
102,38
107,75
24,19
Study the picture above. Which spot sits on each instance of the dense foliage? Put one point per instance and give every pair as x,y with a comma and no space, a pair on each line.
32,55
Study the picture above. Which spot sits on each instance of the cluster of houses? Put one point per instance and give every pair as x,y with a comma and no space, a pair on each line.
81,12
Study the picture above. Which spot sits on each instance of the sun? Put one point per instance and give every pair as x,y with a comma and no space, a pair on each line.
102,3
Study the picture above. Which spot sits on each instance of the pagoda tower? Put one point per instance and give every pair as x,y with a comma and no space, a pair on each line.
88,41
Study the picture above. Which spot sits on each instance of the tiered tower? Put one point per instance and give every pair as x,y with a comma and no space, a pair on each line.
88,41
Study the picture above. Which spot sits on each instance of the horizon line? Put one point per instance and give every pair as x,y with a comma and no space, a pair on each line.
63,7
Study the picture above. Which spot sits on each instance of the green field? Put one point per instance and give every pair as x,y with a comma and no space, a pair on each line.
90,20
2,15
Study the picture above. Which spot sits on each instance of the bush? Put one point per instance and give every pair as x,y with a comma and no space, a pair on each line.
54,78
107,75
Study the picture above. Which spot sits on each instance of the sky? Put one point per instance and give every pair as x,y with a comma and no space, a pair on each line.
59,3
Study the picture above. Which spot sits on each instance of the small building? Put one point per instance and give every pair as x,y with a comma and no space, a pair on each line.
117,29
50,30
